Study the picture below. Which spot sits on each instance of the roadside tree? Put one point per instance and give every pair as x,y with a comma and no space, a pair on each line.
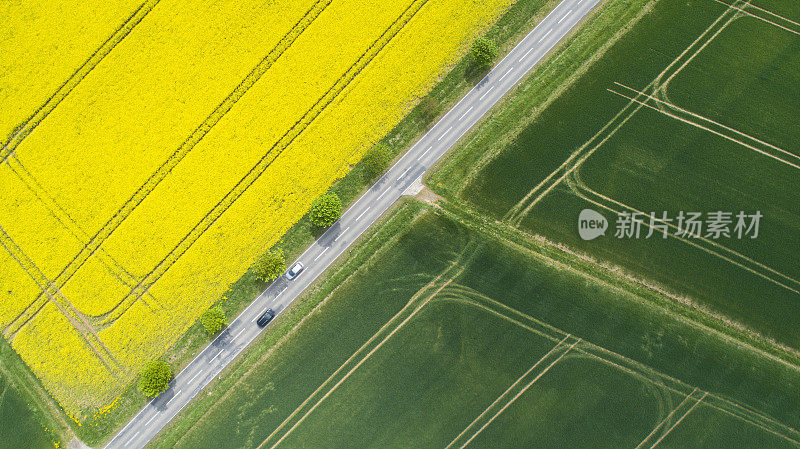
155,378
376,161
483,53
271,265
213,320
325,210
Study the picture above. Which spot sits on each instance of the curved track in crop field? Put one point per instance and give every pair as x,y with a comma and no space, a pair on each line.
210,362
94,243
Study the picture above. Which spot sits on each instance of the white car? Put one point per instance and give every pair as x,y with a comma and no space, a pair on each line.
294,271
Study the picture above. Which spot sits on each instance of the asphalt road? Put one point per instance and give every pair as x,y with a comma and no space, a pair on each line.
360,216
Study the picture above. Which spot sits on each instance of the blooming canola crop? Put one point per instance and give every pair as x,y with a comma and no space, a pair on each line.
43,42
345,72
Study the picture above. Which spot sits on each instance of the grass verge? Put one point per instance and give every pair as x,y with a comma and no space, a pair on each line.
509,29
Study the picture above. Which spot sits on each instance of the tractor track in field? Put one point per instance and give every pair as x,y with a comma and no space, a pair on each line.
518,212
264,163
54,295
93,245
28,125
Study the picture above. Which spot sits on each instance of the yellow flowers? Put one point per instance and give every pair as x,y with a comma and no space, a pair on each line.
43,42
159,181
59,356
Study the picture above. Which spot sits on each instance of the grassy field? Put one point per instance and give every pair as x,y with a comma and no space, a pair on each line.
458,325
20,427
443,334
677,115
128,200
506,31
30,417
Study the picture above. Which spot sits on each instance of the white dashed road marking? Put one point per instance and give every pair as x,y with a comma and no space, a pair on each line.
195,376
526,54
326,249
485,93
505,74
444,134
341,233
399,178
173,397
132,438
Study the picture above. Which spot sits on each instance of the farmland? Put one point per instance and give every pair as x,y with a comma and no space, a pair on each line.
38,67
126,202
24,407
453,330
697,119
486,321
20,428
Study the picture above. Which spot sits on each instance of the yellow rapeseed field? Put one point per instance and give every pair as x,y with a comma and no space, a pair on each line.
165,173
43,42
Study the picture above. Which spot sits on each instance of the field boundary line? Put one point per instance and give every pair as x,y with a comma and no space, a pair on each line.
28,125
490,305
264,163
662,85
54,295
515,218
636,369
456,267
27,382
731,408
639,370
653,296
713,122
492,154
756,16
338,270
94,243
583,191
679,420
486,308
520,209
631,371
713,131
520,393
512,386
755,418
750,5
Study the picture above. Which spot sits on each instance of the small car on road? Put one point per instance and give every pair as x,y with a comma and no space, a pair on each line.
264,319
294,271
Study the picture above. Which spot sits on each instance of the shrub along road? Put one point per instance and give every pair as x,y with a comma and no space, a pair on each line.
360,216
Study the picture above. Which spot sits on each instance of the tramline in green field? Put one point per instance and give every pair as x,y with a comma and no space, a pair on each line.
487,322
679,115
452,346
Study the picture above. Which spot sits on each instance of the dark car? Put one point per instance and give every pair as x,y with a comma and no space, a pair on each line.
264,319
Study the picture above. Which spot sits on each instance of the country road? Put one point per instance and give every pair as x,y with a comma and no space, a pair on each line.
360,216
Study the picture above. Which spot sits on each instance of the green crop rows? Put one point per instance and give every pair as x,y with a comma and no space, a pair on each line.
678,115
447,335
